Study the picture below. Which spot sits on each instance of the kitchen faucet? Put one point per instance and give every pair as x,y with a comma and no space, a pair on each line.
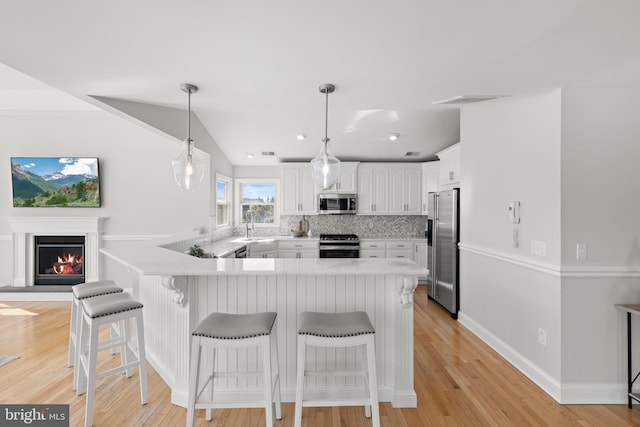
246,220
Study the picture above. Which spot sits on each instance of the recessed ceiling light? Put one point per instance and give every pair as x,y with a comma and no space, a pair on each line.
250,155
394,137
301,136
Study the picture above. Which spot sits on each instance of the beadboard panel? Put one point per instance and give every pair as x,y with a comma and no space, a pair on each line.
168,326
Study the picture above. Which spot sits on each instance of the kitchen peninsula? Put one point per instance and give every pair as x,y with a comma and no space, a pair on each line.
179,290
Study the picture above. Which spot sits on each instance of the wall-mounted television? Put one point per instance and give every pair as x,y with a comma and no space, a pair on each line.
55,182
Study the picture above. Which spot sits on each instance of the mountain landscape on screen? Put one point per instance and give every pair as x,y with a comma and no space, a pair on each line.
55,182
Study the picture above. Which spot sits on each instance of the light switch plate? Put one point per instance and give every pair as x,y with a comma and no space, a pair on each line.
538,248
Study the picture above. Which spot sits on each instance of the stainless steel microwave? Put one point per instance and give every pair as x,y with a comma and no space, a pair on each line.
337,203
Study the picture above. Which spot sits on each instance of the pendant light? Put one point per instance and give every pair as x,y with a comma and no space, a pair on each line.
188,168
326,167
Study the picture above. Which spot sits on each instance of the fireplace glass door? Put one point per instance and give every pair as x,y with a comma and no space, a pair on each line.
59,260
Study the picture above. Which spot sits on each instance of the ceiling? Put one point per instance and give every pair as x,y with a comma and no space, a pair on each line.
258,63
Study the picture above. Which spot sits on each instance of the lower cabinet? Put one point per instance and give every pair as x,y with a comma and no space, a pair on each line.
298,249
388,249
410,249
400,249
373,249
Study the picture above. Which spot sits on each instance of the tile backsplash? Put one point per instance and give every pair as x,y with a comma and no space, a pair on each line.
364,226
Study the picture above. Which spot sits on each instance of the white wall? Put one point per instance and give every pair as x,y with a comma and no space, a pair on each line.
139,196
510,151
600,176
600,207
570,158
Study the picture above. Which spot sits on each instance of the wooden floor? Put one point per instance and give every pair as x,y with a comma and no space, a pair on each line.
459,381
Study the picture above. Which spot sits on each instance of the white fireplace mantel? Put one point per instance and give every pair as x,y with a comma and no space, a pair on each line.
25,228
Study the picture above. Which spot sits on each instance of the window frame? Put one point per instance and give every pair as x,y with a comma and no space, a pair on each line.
238,197
229,199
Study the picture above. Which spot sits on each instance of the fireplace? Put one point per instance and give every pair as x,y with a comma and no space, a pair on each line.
59,260
25,229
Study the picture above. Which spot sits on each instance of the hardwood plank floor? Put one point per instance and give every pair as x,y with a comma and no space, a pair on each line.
460,381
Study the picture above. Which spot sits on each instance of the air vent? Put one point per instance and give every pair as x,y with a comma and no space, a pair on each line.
468,99
412,154
268,153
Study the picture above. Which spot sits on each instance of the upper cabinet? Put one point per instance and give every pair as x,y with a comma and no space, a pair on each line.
389,189
405,183
299,192
430,182
348,179
373,189
449,167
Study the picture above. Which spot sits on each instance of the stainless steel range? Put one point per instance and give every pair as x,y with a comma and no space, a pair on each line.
339,246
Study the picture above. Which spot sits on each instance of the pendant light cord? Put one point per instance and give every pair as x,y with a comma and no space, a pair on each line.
326,117
189,121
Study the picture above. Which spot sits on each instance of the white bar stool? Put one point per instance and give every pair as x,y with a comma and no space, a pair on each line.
221,331
80,292
352,329
102,311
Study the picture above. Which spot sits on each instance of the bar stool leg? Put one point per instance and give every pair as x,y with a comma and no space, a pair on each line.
193,380
208,412
91,375
80,375
373,383
361,349
142,358
302,350
73,335
276,382
125,353
268,379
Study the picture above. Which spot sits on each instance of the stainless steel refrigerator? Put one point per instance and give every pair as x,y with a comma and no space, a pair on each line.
443,227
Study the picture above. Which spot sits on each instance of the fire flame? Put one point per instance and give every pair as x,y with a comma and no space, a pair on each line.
66,263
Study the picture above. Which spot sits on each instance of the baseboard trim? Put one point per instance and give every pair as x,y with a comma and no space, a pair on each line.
539,377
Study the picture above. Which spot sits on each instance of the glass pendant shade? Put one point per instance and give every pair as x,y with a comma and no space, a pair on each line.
326,167
188,168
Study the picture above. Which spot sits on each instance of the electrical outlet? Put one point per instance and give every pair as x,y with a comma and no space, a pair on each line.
542,337
581,251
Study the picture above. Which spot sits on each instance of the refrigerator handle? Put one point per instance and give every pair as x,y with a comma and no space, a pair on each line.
434,244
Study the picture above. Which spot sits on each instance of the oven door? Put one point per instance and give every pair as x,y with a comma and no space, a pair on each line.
339,251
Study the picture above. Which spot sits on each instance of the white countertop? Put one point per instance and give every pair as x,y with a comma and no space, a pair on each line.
221,247
149,259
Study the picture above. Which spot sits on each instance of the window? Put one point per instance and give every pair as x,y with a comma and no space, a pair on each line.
223,202
259,197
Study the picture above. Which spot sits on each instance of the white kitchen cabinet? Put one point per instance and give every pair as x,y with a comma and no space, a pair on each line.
299,192
348,179
430,182
400,249
405,183
263,250
373,249
449,167
373,189
298,249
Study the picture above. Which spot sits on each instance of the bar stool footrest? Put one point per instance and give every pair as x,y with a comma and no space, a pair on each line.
340,402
